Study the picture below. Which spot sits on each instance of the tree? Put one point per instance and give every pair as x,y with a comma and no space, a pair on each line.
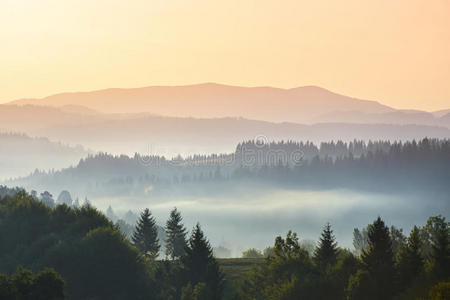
125,228
34,194
103,265
201,266
198,292
288,273
176,235
411,262
252,253
268,251
346,265
65,198
398,240
48,285
325,255
440,248
145,236
23,284
440,291
47,199
360,240
377,279
130,217
110,214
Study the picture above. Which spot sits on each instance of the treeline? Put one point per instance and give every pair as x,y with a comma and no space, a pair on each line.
375,166
23,284
389,266
412,166
94,260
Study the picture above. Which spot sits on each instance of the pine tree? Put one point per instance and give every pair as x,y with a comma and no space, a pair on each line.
378,260
110,214
65,198
411,262
440,251
145,236
201,266
325,254
176,235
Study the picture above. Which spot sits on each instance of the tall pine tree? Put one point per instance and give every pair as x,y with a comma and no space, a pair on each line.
201,266
176,235
379,261
440,249
411,262
145,236
377,280
325,254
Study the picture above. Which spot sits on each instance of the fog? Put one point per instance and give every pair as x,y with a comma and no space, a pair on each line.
254,219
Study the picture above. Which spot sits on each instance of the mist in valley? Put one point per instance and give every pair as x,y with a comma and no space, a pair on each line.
246,198
252,219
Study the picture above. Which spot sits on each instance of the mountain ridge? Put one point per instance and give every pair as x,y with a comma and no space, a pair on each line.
212,100
129,133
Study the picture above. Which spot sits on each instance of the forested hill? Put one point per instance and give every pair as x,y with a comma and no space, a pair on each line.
93,260
21,154
382,166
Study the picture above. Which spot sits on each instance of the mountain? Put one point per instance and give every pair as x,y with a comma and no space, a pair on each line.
212,100
144,133
32,119
78,109
21,154
393,117
441,113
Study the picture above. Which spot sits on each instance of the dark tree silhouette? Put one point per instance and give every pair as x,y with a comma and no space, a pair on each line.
440,253
377,279
176,235
145,236
47,285
325,255
411,262
201,266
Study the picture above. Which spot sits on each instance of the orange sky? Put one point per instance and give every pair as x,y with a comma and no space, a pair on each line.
396,52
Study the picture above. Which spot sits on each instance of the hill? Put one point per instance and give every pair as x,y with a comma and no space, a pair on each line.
144,132
212,100
21,154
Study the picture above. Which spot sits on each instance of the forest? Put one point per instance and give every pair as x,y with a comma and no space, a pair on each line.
65,252
416,166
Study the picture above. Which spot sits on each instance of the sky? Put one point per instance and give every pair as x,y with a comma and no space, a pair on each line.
395,52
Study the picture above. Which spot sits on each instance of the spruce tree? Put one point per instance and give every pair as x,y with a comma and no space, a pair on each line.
440,251
145,236
200,265
378,260
176,235
411,262
325,254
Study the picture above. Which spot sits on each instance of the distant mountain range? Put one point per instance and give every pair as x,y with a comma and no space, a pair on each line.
147,133
308,104
212,118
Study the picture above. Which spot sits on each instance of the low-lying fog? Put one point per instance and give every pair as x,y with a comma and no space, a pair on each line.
255,219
